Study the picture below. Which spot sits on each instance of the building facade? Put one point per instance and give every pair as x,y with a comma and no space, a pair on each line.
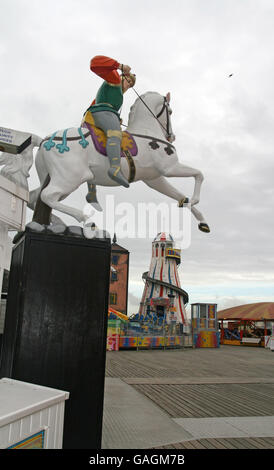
119,272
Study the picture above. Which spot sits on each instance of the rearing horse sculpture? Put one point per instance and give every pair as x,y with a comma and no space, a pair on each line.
75,160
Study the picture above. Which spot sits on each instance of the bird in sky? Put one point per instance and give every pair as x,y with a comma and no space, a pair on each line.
230,75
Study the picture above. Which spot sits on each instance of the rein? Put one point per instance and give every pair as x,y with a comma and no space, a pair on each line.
167,116
167,130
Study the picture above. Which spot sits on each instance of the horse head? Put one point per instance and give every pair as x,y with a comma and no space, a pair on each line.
153,105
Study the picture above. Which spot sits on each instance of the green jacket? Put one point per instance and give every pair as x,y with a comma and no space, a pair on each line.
109,98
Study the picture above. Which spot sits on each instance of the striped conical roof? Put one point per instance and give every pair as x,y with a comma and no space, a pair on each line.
163,237
257,312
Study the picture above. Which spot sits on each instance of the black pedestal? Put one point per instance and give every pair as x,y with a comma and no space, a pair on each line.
55,327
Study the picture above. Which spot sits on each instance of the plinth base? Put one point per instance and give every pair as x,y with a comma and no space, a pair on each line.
55,326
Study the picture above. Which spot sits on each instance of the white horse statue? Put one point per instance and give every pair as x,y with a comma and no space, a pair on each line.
65,164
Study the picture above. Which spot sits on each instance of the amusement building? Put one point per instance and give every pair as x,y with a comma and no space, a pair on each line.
163,297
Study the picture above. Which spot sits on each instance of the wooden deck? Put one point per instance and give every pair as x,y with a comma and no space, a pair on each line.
220,400
202,383
232,443
226,361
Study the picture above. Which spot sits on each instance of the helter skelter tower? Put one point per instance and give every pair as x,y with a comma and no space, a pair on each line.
163,296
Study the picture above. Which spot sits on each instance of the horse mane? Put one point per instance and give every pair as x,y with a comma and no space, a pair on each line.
137,102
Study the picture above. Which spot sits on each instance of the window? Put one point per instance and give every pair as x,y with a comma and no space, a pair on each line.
115,259
203,311
203,315
194,311
113,298
114,276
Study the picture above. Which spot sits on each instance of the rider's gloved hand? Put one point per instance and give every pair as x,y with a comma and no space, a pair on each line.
125,68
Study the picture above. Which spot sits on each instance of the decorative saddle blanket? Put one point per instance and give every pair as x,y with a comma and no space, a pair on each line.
128,143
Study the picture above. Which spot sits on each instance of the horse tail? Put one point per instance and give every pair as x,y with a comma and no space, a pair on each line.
16,167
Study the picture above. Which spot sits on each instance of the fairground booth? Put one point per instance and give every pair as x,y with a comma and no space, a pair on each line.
247,325
204,325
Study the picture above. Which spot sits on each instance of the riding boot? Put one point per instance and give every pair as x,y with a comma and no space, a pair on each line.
113,149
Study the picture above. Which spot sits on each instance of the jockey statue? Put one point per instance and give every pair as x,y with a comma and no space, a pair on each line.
105,108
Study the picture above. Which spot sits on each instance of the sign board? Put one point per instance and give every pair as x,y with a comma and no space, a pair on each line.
173,253
36,441
159,301
12,141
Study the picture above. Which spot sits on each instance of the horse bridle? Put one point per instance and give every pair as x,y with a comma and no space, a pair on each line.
165,107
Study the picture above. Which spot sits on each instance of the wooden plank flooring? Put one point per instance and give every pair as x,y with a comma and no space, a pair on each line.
224,443
220,400
201,383
227,361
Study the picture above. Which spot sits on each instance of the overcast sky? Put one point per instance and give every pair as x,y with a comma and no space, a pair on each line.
223,125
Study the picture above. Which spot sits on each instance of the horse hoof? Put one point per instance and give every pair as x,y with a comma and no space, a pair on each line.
183,201
204,227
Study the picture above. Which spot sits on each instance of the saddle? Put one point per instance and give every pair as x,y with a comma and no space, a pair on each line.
128,144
